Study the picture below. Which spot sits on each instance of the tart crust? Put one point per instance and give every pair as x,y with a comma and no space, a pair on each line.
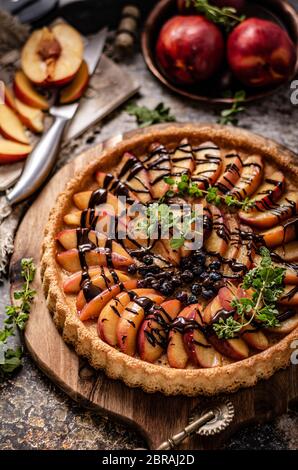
133,371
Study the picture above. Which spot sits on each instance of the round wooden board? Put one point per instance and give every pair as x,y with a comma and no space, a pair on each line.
155,416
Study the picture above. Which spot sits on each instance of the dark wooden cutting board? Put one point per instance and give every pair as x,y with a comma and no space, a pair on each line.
155,416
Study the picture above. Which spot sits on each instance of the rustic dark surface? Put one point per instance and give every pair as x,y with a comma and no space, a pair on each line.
35,414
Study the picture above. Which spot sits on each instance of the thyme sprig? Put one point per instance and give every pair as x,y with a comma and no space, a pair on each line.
186,187
266,284
164,219
230,115
225,16
16,317
147,117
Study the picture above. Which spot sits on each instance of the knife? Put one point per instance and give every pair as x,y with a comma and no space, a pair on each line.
42,159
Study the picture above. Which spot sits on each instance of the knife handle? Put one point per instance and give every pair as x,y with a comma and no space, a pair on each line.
39,163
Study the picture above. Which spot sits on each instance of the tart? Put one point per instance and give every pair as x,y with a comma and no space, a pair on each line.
159,312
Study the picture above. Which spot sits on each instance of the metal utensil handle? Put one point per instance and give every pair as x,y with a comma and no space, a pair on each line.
173,441
39,163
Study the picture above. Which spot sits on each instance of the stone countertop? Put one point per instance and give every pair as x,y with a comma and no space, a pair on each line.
35,413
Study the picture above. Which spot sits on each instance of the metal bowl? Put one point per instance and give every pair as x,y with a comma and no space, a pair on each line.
279,11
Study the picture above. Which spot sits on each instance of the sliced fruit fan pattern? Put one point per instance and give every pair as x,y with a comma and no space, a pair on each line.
47,75
160,303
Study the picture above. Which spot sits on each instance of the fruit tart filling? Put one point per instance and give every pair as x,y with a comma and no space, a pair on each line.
163,299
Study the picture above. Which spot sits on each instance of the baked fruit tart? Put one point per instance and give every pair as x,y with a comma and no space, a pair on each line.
205,306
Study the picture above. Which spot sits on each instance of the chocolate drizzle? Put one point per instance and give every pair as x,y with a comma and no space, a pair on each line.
183,325
157,161
99,196
89,217
84,245
283,211
289,231
206,164
266,203
286,315
131,170
290,294
207,220
279,260
117,187
157,331
158,326
180,158
245,239
221,228
224,184
246,178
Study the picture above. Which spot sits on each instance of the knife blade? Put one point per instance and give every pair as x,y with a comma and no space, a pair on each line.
42,159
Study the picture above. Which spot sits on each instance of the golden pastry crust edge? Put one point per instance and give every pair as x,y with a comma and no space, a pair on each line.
133,371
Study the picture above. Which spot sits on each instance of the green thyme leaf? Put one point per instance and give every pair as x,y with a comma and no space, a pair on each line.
268,316
169,180
17,316
170,193
266,283
245,205
184,186
12,361
194,190
230,116
212,195
177,243
162,216
5,333
147,117
231,201
226,16
228,328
